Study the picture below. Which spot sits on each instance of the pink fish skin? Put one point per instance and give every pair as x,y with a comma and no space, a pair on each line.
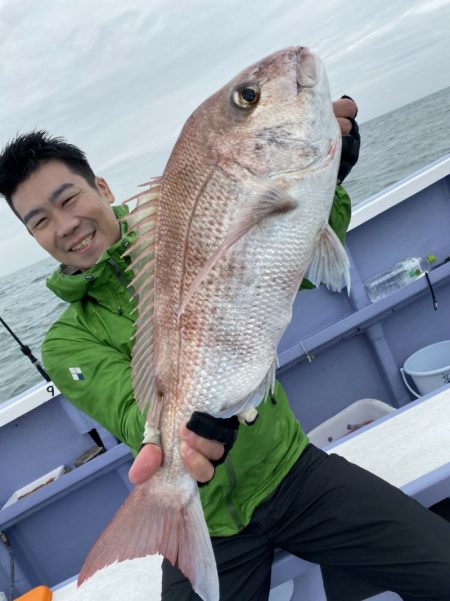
224,237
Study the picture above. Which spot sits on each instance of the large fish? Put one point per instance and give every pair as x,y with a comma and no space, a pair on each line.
224,238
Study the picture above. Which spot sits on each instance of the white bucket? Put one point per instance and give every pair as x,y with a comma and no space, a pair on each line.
429,367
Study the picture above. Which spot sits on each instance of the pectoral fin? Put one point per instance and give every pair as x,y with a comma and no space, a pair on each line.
266,199
330,265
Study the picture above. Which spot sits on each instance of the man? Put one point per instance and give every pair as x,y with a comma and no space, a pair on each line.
296,497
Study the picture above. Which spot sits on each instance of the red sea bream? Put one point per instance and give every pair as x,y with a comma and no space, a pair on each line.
223,240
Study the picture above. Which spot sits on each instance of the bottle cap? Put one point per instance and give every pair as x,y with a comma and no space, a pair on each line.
431,258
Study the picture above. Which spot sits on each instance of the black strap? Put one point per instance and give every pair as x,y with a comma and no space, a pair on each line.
215,428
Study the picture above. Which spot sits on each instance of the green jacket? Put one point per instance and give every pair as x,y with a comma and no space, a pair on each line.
87,354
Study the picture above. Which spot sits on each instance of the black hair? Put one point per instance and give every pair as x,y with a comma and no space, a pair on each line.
23,155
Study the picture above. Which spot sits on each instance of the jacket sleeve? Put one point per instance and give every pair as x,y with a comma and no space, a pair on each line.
96,378
339,220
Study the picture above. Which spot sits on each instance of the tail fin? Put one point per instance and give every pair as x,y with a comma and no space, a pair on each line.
148,523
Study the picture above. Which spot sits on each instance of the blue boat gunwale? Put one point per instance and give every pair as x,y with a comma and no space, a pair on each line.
27,401
399,191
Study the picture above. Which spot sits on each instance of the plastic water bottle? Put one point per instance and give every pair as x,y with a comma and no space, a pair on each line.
403,273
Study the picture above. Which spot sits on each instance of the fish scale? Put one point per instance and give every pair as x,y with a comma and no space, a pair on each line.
237,219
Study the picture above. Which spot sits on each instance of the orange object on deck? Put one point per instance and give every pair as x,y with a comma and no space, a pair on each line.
40,593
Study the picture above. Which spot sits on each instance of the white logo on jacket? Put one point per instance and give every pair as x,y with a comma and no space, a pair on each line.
76,373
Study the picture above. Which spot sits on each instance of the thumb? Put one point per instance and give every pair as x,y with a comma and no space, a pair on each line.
146,464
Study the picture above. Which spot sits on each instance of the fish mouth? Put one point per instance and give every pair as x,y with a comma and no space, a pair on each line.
308,68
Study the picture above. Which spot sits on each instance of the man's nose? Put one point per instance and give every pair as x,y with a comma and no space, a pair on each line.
66,224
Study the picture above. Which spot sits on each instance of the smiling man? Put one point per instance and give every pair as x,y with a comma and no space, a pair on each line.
361,530
69,215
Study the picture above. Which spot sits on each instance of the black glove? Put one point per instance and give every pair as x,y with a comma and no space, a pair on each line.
350,150
215,428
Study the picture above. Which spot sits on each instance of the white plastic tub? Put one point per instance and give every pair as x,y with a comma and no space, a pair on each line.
35,485
348,420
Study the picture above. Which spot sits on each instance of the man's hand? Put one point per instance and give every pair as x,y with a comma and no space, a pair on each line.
200,449
146,464
345,110
197,453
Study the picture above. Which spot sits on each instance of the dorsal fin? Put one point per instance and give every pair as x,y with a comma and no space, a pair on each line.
142,220
265,199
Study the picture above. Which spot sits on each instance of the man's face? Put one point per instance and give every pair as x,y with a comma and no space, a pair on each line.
71,220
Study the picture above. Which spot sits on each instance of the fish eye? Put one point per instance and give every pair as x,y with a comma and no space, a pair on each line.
246,95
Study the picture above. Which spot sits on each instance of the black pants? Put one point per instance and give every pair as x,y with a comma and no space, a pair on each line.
367,536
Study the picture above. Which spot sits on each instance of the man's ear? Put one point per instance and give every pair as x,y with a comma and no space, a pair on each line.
104,189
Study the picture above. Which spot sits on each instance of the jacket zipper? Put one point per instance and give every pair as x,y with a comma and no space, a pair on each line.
118,273
232,480
121,279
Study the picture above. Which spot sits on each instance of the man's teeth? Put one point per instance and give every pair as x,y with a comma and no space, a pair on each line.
83,243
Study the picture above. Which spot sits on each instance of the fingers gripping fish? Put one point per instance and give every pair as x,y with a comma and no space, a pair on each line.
223,239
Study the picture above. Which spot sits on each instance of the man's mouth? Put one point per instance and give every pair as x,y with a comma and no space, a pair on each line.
83,243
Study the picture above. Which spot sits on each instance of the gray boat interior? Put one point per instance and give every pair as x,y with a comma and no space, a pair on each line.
339,348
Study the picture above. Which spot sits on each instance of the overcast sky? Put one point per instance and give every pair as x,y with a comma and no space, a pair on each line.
120,78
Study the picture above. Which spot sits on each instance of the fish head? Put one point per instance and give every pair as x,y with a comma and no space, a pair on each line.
274,119
269,144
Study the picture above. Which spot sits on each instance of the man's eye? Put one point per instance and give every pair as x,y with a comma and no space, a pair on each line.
39,223
68,200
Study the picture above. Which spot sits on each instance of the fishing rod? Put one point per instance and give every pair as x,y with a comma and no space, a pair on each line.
27,352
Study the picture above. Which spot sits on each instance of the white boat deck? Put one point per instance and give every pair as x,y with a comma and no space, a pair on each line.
406,444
